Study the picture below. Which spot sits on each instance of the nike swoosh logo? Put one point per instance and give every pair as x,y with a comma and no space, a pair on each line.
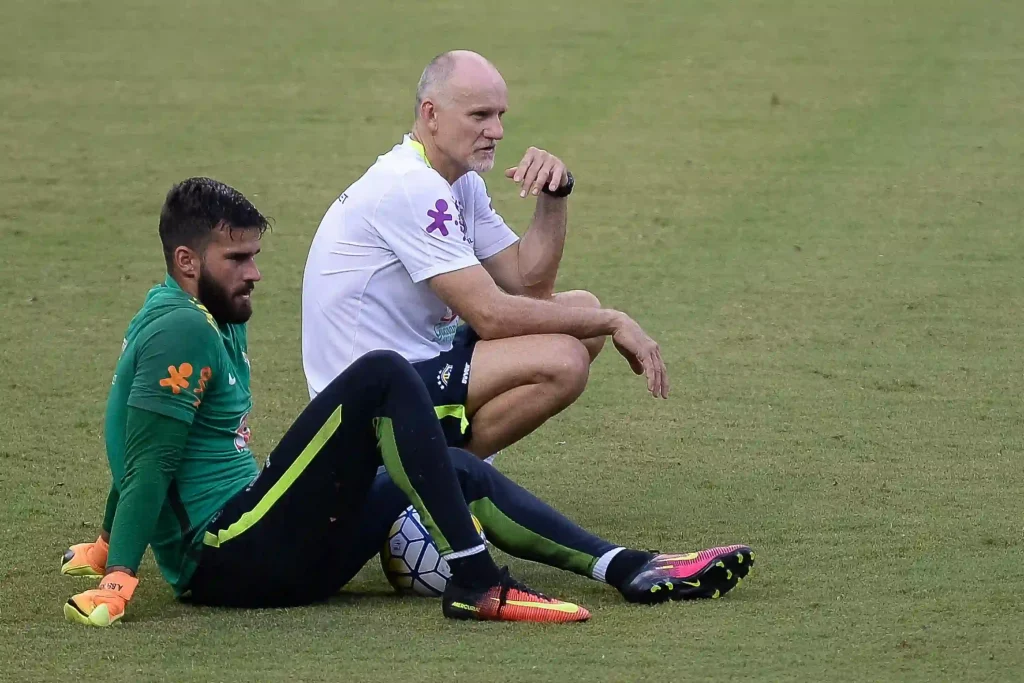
695,584
231,379
566,607
678,558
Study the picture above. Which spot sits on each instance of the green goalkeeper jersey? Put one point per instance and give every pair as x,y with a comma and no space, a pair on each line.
177,362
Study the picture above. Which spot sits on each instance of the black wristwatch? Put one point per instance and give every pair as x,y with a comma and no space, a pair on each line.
564,190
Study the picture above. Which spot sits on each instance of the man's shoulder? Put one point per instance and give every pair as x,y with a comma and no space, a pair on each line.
183,317
403,168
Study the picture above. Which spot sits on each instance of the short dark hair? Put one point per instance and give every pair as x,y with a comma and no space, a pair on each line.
195,207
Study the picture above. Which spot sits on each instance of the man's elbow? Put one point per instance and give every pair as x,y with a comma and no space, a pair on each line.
486,321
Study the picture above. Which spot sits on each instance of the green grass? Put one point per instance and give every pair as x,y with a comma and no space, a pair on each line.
814,206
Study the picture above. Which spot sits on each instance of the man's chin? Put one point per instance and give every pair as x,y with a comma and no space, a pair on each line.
481,165
239,313
243,313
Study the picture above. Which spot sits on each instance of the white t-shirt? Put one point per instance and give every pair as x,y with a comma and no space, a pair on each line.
365,284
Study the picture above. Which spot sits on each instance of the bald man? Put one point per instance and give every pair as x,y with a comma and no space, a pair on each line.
415,244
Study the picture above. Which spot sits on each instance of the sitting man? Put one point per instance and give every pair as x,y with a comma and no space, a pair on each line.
414,245
185,482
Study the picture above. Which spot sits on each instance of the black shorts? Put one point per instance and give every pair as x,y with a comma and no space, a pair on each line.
447,380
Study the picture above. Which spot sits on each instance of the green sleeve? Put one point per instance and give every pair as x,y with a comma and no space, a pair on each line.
154,446
108,514
176,356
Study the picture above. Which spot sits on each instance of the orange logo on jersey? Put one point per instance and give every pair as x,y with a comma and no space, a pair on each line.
204,376
178,378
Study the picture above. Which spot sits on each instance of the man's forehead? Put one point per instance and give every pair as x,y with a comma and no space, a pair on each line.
491,93
234,238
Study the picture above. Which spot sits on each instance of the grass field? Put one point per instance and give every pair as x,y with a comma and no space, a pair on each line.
814,206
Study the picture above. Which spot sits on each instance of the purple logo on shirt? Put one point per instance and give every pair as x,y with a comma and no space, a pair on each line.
440,217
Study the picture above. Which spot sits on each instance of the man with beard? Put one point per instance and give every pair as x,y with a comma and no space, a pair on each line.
227,533
414,245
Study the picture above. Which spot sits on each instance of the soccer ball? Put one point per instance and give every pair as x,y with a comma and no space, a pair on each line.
410,559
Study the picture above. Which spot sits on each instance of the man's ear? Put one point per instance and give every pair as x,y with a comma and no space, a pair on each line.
186,261
428,112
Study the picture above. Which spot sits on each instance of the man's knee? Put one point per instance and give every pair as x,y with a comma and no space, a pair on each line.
585,299
466,465
576,298
581,298
386,364
567,366
472,473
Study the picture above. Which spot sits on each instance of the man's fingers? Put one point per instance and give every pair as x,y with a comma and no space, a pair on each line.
546,172
666,386
649,373
511,172
558,178
658,376
664,373
530,175
657,373
524,165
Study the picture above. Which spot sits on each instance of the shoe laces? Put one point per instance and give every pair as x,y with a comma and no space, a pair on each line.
507,583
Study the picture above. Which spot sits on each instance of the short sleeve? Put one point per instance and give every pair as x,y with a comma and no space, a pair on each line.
420,222
492,233
176,357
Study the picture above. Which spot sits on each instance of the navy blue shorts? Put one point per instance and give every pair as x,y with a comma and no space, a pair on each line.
447,380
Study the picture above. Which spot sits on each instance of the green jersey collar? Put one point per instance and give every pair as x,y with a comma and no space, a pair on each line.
172,283
417,147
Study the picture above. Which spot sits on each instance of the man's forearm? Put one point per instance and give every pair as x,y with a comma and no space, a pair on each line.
515,316
153,447
540,252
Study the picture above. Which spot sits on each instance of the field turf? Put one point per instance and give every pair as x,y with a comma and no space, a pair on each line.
814,206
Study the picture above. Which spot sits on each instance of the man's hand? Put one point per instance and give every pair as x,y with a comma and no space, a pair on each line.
85,559
102,606
537,168
643,354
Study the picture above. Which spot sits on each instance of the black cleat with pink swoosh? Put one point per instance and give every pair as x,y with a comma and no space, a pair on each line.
709,573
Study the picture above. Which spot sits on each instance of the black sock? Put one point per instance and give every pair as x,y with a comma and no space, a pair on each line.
624,564
475,571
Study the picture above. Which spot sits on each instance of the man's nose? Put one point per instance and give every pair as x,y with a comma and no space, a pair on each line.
495,131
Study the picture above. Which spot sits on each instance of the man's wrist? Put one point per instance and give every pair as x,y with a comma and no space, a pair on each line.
615,320
564,190
124,570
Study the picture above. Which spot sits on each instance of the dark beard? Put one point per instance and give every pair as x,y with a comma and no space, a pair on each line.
222,304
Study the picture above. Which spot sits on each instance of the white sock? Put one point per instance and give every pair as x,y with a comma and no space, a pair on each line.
465,553
598,572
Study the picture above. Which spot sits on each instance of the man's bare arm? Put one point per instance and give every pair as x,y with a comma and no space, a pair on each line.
529,267
494,314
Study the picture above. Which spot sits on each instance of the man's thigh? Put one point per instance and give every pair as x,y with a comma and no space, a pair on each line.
271,544
355,543
501,365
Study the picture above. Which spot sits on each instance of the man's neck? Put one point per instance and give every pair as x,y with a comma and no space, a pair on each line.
188,285
437,160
